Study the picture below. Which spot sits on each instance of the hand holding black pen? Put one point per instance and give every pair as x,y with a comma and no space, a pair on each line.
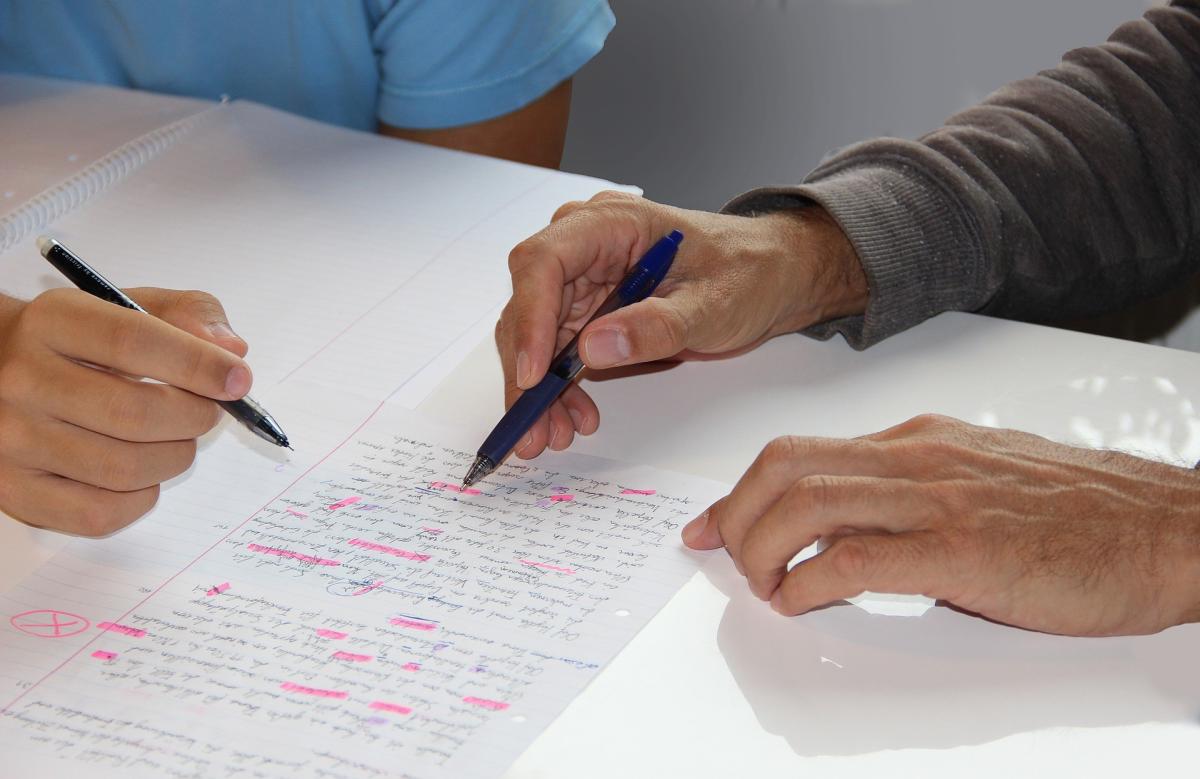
84,442
638,284
245,409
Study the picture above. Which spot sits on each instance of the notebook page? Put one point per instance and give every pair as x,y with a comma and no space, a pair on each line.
335,252
39,126
372,619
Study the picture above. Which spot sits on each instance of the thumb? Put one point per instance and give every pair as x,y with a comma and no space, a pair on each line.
651,329
192,311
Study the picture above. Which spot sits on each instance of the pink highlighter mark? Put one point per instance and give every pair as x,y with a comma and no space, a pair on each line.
350,657
415,624
561,498
343,503
411,667
100,654
296,512
113,627
217,589
395,552
292,687
290,555
639,492
441,485
484,703
547,566
336,635
395,708
369,587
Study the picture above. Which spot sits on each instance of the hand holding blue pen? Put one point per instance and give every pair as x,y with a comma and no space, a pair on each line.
638,284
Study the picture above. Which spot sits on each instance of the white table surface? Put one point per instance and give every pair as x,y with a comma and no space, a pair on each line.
718,685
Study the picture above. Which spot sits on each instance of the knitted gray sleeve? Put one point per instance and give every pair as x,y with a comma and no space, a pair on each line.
1068,194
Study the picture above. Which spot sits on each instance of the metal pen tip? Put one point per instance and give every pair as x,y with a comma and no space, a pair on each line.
479,469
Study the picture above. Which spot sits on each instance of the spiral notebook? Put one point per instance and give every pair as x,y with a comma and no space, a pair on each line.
276,614
309,234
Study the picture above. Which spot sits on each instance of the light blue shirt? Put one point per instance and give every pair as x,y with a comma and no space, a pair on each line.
409,63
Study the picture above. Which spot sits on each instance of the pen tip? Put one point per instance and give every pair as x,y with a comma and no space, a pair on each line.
44,242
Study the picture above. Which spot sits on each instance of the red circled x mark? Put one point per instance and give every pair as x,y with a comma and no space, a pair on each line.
49,623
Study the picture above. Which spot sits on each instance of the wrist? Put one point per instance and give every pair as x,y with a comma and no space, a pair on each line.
830,282
1188,581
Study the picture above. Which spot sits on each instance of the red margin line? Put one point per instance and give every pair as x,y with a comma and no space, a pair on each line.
196,559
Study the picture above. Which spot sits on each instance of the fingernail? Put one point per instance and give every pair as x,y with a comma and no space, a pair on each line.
524,445
523,370
694,529
576,418
237,381
222,330
777,602
605,348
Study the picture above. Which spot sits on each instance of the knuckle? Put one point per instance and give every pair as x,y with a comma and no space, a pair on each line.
195,369
117,472
614,197
200,304
184,456
851,559
781,450
124,337
565,209
811,495
756,551
671,326
108,513
50,303
128,413
951,498
524,254
211,418
931,422
96,518
197,298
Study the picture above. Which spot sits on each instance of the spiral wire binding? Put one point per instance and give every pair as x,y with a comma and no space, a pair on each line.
64,197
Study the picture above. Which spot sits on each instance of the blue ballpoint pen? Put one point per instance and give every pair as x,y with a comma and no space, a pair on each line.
638,284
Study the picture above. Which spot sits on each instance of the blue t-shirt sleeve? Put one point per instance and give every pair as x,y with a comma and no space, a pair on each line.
444,63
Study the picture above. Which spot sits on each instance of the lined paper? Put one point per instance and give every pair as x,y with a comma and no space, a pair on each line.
372,619
343,610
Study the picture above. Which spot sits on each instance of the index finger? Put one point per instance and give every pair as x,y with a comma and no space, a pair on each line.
592,245
139,344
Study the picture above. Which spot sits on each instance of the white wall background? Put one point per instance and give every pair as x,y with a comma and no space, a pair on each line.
699,100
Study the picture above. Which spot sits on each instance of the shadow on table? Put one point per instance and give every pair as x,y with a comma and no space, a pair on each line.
841,681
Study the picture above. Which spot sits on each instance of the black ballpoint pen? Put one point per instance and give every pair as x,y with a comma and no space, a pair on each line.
637,285
82,275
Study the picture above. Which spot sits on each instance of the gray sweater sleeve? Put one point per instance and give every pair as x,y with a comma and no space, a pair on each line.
1067,194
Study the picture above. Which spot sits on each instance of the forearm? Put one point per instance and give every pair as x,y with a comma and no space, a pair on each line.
533,135
1066,194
